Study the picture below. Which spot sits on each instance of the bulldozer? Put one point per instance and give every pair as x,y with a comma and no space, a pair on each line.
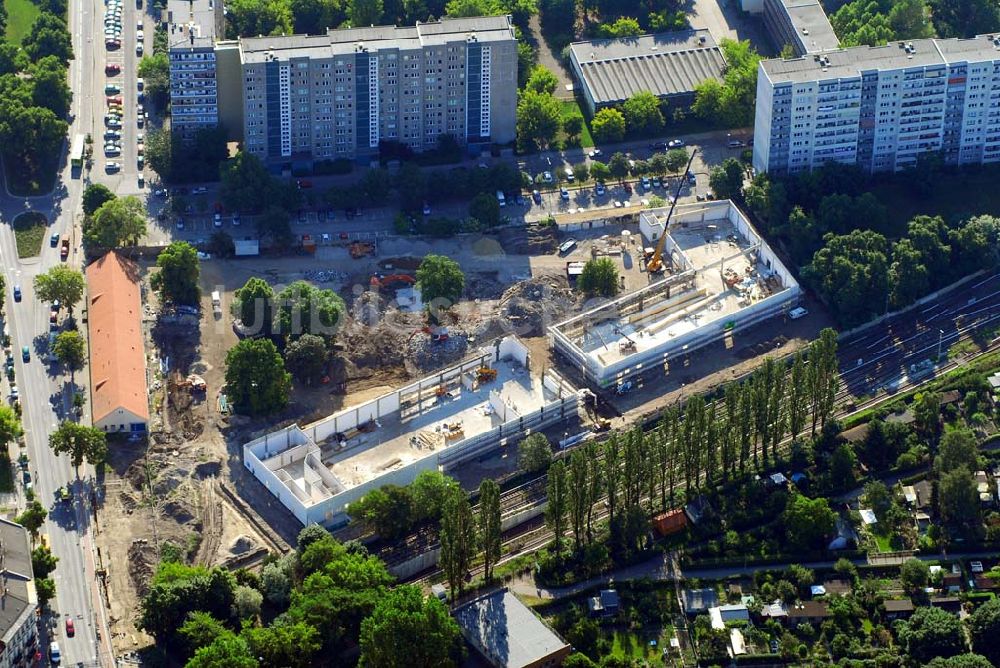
360,249
654,263
485,374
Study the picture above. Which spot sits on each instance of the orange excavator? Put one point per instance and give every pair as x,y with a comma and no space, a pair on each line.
654,264
391,281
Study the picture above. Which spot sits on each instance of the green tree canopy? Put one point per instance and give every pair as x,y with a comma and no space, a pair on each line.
284,644
43,561
94,195
608,126
365,12
250,18
984,629
405,628
33,517
305,358
851,274
726,180
599,277
539,118
486,209
51,88
177,590
253,305
79,442
256,380
49,36
958,447
542,80
623,26
118,222
958,500
60,283
642,113
534,453
932,632
441,280
177,279
10,425
808,522
306,309
154,68
70,349
914,574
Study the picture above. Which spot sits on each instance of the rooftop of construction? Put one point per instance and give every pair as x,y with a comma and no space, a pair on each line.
392,438
719,275
194,23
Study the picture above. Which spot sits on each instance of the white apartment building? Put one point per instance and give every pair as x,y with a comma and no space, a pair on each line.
339,95
192,29
18,599
880,107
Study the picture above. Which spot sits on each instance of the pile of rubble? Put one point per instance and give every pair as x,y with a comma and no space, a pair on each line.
529,307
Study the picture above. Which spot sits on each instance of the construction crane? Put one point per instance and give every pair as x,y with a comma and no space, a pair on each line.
654,265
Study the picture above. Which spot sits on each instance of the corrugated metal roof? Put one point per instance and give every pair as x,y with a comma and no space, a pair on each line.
665,64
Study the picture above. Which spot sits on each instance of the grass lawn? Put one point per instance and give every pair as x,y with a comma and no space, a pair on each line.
634,645
29,232
955,197
571,108
21,14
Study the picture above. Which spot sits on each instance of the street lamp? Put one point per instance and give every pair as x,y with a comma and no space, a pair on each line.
940,340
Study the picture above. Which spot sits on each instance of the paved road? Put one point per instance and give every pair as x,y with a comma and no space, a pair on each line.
45,396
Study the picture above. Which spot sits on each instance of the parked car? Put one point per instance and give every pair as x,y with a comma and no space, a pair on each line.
138,49
25,354
17,293
595,153
217,219
567,246
537,196
564,194
139,83
112,89
675,143
112,167
112,69
54,239
112,135
599,189
547,177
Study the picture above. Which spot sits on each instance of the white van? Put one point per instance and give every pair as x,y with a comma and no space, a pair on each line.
798,312
501,198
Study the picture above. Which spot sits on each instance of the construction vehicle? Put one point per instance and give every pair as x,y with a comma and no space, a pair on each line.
485,374
655,264
360,249
380,282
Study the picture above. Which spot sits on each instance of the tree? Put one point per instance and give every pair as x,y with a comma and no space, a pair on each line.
958,447
557,502
808,521
154,68
33,517
27,131
539,118
642,113
117,223
429,493
226,651
727,180
49,36
276,583
94,195
599,171
10,426
851,274
842,464
914,574
247,602
51,90
623,26
305,309
958,500
542,80
284,644
676,160
573,125
599,277
70,349
60,283
313,17
534,453
256,380
253,306
246,185
489,525
43,561
177,590
458,540
406,629
200,629
250,18
45,589
305,358
79,442
441,280
965,18
984,629
486,209
961,661
177,279
932,632
618,166
608,126
364,12
927,416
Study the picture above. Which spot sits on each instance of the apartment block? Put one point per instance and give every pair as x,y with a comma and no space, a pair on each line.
193,26
338,95
880,107
19,641
800,24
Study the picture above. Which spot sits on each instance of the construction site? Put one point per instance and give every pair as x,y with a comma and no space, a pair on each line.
488,402
712,274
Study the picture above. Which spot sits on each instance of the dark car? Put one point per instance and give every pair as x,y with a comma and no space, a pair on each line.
628,188
658,146
537,196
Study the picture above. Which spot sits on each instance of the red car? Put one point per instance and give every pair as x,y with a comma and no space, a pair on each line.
114,99
70,629
305,183
112,68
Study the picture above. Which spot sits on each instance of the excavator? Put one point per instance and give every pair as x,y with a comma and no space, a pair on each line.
654,263
391,281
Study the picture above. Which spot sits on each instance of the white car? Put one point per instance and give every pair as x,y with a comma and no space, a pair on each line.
138,24
139,83
139,36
